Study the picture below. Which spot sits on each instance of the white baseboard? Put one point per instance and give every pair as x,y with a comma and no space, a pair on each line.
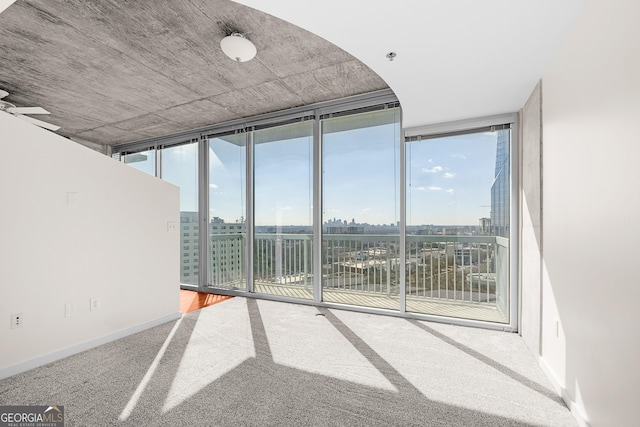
61,354
577,411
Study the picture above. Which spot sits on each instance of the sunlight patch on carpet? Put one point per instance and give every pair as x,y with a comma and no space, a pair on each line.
133,401
221,341
303,340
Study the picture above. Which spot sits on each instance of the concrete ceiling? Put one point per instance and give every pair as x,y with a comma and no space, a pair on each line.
456,59
116,71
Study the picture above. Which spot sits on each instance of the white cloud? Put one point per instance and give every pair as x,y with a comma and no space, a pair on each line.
286,208
459,156
450,190
434,169
449,175
430,160
213,185
427,188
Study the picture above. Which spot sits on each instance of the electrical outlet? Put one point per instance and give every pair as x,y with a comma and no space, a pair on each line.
172,226
17,320
94,304
70,309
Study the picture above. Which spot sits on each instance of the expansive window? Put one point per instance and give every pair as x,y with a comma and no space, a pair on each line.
227,211
180,167
143,160
337,206
360,230
457,214
283,211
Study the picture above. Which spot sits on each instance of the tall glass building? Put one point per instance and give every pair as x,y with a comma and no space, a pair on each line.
500,187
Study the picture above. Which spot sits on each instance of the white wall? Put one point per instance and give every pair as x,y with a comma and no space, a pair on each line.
531,223
591,215
113,245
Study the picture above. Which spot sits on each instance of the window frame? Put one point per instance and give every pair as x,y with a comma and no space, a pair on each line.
378,100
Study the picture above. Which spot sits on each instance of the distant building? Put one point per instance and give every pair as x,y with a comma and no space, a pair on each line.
225,263
345,229
218,226
226,252
485,225
500,199
189,248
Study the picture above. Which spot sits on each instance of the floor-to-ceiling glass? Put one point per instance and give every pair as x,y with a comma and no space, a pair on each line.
227,212
283,211
361,215
180,167
449,193
457,224
143,160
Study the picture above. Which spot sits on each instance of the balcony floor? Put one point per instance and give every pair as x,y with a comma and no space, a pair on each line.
431,306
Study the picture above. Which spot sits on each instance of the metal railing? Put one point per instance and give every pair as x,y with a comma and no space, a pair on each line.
283,259
359,262
454,268
226,260
459,268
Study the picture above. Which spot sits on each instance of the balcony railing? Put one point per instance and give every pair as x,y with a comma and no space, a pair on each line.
458,268
283,259
470,269
363,263
226,260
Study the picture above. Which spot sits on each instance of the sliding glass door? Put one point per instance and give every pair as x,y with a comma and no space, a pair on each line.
143,160
360,230
337,206
227,230
283,210
180,167
457,240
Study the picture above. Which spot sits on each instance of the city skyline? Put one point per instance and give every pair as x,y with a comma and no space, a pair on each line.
448,181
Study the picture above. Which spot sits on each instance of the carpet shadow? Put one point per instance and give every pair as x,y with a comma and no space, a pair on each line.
94,386
155,393
259,392
490,362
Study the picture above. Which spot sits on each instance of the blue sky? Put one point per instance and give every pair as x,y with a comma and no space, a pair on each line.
283,176
227,187
180,167
361,175
448,179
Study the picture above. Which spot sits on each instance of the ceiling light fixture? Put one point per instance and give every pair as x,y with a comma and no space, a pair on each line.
238,47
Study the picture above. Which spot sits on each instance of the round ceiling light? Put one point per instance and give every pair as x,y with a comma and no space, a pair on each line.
238,48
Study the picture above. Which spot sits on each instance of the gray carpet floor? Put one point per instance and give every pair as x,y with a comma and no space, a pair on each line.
246,362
